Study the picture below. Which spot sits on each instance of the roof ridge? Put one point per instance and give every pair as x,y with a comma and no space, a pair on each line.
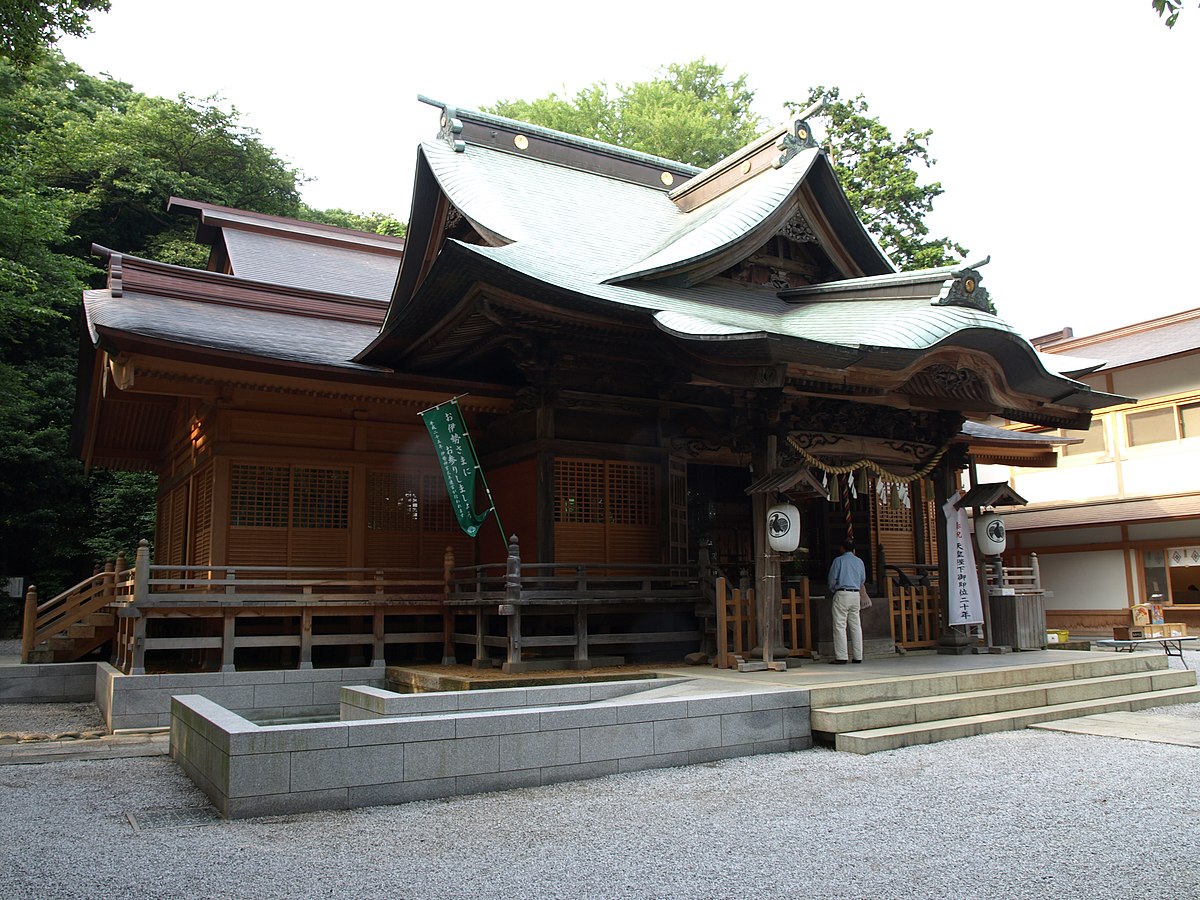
1122,331
591,144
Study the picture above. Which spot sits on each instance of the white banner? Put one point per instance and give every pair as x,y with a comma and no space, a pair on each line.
965,604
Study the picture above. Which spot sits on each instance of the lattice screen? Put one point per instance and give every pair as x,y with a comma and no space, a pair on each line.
631,493
258,496
579,488
320,498
393,502
606,511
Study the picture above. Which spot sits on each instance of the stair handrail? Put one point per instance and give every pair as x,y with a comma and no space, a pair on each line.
76,603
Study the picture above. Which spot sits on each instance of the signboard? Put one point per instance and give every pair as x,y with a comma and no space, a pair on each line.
456,455
964,601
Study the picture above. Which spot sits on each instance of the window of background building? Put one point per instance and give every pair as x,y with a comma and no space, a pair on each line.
1094,440
1168,423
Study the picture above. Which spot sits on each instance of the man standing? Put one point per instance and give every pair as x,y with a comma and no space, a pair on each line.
847,575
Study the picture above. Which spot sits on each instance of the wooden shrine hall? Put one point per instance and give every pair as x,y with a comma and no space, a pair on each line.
646,355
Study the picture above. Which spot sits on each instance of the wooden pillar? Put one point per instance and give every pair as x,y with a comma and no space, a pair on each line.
512,601
449,657
138,662
766,563
29,626
228,639
481,655
306,645
377,653
141,573
581,633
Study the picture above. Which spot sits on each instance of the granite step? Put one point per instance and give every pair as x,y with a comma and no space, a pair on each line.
1085,666
874,740
908,711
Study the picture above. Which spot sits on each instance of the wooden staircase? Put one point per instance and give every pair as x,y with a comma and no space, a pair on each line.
77,621
869,716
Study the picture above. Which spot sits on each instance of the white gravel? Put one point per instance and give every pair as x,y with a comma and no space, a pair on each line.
1012,815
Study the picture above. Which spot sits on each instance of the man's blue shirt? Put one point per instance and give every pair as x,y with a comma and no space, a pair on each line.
847,571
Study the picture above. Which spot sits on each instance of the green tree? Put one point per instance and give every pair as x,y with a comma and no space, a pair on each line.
690,113
1169,8
879,175
375,222
27,28
83,160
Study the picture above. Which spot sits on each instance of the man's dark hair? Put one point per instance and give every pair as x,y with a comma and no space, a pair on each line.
847,546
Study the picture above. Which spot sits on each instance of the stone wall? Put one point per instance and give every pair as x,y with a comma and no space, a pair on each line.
484,745
144,701
48,683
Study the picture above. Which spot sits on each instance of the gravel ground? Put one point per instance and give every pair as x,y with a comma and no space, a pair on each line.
1012,815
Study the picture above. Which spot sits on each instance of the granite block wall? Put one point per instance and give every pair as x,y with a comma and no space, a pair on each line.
250,770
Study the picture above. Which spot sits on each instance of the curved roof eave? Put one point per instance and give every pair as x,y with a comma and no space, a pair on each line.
471,196
1011,351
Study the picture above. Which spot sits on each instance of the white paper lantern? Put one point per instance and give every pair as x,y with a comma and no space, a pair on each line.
989,534
783,527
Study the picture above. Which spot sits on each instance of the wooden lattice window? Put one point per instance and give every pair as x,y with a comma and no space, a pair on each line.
898,518
393,502
437,514
579,488
320,498
631,493
258,496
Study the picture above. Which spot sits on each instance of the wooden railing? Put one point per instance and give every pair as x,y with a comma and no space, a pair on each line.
737,622
914,602
56,615
218,584
1023,579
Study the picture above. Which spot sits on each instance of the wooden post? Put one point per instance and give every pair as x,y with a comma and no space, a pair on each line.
448,655
108,586
138,662
581,633
481,655
228,635
29,626
377,653
1037,572
512,599
141,575
306,631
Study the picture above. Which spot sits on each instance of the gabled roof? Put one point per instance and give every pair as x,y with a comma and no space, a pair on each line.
570,232
298,254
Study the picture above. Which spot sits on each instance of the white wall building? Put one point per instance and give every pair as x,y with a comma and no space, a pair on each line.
1118,521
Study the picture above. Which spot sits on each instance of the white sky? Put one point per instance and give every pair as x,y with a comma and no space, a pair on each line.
1065,133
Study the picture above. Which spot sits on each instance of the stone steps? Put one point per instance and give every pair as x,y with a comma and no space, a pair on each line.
869,716
888,713
874,740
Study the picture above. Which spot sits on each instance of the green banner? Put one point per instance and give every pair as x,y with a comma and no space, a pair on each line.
454,451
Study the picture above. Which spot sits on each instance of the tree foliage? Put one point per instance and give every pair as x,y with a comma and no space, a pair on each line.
879,175
27,28
83,160
374,222
690,113
1168,8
